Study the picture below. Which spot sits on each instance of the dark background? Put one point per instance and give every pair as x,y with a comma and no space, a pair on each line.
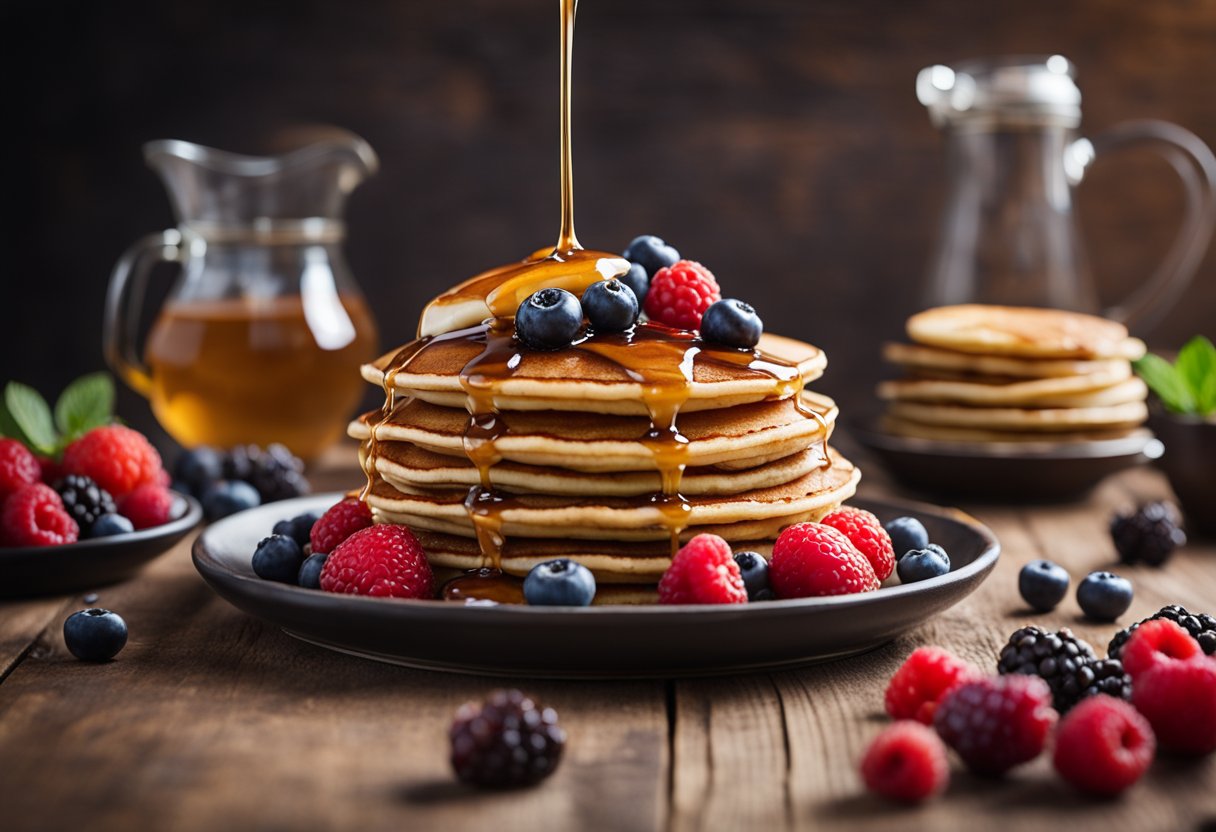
778,141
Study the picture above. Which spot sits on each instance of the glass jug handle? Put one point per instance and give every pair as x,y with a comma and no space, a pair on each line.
1196,167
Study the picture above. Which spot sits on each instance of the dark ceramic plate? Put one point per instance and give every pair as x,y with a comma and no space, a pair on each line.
56,570
590,642
1030,472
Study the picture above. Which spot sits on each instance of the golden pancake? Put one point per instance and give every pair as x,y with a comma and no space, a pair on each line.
943,363
945,433
1085,390
1022,419
1022,331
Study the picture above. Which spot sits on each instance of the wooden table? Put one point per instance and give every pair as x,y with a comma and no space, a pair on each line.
211,720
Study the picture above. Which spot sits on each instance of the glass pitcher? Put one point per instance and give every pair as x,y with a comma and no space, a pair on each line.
1009,234
263,332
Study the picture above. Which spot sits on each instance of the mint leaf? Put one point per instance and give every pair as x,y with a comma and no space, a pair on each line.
32,415
9,427
87,403
1197,366
1166,382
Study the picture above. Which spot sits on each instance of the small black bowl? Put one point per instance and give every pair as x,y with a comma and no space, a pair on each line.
1189,461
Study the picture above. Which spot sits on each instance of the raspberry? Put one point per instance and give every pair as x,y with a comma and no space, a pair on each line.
811,559
997,723
148,505
1154,642
35,516
52,471
867,536
923,680
115,457
340,522
18,467
382,561
680,293
84,500
1103,746
1178,698
703,572
509,741
906,762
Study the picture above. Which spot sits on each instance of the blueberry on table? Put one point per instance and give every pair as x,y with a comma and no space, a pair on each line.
278,558
108,525
610,306
651,253
198,468
907,533
1104,596
922,564
95,635
1043,585
559,583
733,323
309,576
227,497
637,280
754,569
549,319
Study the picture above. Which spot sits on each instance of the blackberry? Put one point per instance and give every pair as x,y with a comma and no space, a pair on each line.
509,741
1060,659
1150,534
1201,626
84,499
275,472
1108,676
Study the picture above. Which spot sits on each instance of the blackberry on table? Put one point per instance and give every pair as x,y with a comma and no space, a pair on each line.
1201,626
84,500
275,472
1063,661
509,741
1150,534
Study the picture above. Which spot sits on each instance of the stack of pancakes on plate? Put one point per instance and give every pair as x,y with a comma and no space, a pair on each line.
979,373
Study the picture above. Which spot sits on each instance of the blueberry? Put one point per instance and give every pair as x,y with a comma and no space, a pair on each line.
754,569
907,533
199,467
637,280
559,583
278,558
95,635
610,306
731,322
549,319
1043,584
650,253
298,528
108,525
226,497
922,564
309,575
1104,596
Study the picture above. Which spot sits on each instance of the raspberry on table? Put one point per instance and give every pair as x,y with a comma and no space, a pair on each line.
84,500
509,741
340,522
906,762
680,293
867,536
117,458
1178,698
35,516
703,572
1103,746
921,682
1157,641
382,561
18,468
997,723
811,559
149,505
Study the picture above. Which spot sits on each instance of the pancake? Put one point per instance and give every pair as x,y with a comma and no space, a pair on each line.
1023,332
1079,391
945,433
937,362
1022,419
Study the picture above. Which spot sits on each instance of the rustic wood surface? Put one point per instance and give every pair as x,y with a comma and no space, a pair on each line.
210,719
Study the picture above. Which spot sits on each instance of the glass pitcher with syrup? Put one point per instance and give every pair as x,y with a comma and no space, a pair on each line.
263,332
1009,234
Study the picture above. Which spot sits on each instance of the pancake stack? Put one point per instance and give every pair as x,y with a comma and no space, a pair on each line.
979,373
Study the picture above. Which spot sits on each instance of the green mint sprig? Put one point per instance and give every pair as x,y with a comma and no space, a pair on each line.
86,403
1187,386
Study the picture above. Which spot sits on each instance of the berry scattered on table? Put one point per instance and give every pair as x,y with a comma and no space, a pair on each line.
1104,596
733,323
198,467
651,253
811,559
150,505
383,561
921,682
907,533
108,525
35,516
638,281
1043,585
997,723
95,635
610,306
559,583
18,468
1060,659
680,293
309,575
84,500
1201,626
1103,746
1150,534
867,536
906,762
338,523
116,457
1155,642
923,564
275,471
298,528
549,319
753,568
703,572
278,558
509,741
1178,698
226,497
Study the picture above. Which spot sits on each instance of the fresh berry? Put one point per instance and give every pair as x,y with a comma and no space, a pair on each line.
84,500
559,583
1155,642
637,280
383,561
1066,663
95,635
18,468
309,575
278,558
509,741
997,723
1043,585
867,536
610,306
340,522
753,568
733,323
921,682
650,253
275,472
907,533
549,320
198,467
108,525
1104,596
150,505
679,294
811,559
1103,746
923,564
1201,626
115,457
703,572
1179,700
906,762
298,528
1150,534
52,470
226,497
35,516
